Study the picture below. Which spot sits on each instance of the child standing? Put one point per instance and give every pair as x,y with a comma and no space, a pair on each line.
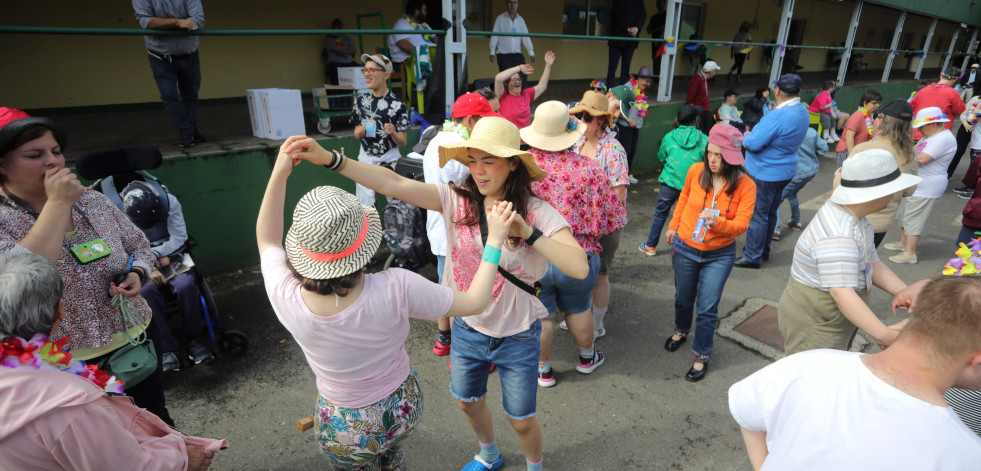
380,120
680,148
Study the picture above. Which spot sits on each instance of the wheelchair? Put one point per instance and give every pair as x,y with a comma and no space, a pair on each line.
112,170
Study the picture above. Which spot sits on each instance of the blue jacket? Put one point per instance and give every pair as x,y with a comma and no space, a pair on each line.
771,149
807,165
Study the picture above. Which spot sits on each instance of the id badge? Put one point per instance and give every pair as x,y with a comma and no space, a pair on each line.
370,129
91,250
868,279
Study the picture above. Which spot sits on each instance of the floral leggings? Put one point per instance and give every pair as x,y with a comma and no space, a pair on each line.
367,438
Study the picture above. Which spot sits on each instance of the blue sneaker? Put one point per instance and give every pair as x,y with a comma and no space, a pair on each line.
478,464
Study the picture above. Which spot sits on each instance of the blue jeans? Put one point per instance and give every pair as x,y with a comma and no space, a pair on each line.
189,300
570,295
764,219
790,194
666,198
967,234
516,358
179,81
699,278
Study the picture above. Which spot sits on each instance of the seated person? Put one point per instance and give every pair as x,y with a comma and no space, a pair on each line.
144,207
59,413
728,113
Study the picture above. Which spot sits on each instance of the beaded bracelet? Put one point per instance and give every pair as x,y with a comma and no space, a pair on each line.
492,255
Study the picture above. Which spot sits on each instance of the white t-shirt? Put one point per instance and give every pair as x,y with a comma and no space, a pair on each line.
973,107
941,146
358,354
397,54
453,172
825,410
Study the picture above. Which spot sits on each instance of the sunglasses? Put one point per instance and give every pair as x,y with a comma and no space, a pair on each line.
585,117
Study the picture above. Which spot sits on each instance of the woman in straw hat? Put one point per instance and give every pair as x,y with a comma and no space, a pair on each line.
835,262
599,144
714,207
499,171
577,187
352,326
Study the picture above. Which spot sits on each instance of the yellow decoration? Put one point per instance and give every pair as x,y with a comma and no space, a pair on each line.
964,251
949,270
746,51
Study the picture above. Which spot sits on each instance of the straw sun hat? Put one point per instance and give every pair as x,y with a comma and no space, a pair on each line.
332,234
870,175
593,103
497,137
552,130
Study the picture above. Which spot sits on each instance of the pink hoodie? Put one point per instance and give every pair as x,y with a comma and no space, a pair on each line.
57,420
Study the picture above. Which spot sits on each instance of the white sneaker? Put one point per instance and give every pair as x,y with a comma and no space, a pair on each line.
563,326
896,246
598,331
632,180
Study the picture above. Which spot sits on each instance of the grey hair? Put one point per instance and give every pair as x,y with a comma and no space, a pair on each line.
30,289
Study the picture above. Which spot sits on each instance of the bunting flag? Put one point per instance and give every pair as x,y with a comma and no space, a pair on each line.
746,51
662,50
670,41
693,47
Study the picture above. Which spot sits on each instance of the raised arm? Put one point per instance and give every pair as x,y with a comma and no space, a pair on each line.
379,179
269,223
504,75
48,233
474,300
543,82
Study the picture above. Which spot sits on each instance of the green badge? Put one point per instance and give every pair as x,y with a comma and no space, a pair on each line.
91,250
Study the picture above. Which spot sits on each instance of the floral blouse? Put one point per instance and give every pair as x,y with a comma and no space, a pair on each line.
577,187
90,320
611,156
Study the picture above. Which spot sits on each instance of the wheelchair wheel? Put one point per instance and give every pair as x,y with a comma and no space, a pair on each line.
323,125
233,342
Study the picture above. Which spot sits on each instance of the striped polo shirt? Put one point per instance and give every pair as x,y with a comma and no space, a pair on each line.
835,250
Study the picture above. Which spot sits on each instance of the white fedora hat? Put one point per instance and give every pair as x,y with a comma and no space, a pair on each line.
870,175
928,115
332,234
553,129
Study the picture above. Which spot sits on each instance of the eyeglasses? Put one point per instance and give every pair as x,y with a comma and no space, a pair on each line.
585,117
599,89
371,70
516,79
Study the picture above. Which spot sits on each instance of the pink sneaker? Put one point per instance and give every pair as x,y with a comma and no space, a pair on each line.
441,349
591,365
545,379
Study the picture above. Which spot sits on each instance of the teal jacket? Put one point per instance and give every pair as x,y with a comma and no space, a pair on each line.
679,149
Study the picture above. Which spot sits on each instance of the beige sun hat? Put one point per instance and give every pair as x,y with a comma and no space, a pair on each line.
594,103
332,234
496,136
870,175
552,129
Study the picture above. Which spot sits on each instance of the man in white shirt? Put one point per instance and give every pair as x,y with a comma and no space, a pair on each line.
401,46
826,409
507,49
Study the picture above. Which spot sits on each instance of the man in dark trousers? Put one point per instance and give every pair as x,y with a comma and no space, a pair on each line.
174,60
626,19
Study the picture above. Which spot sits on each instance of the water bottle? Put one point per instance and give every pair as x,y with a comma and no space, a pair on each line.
390,241
702,227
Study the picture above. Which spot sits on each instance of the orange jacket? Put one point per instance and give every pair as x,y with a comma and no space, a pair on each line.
734,213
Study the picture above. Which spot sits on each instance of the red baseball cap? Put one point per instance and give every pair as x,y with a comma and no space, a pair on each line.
472,104
13,122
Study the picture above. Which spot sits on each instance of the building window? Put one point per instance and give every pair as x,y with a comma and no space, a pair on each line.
586,17
479,15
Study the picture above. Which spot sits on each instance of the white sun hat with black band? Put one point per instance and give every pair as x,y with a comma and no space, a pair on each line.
332,234
870,175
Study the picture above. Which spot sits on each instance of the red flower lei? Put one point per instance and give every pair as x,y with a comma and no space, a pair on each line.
41,354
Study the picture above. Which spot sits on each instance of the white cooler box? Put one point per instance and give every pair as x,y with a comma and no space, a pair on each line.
276,113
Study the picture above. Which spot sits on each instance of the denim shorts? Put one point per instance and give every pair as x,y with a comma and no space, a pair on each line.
516,358
570,295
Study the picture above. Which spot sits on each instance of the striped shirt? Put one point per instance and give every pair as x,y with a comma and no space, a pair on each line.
967,404
835,250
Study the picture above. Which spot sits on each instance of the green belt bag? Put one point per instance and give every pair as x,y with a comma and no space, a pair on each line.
134,362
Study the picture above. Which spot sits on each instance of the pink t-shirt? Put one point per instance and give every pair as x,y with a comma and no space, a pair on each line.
511,310
517,109
358,354
822,99
856,122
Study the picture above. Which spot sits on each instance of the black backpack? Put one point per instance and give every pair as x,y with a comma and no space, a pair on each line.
405,232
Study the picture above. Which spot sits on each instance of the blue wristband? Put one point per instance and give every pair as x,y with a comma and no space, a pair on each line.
492,255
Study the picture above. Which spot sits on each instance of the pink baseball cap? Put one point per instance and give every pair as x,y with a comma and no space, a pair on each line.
730,140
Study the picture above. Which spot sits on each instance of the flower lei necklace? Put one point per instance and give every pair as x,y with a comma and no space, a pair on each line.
417,26
868,121
39,353
939,85
641,98
967,262
458,128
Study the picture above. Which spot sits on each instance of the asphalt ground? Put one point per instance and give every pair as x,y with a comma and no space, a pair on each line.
634,412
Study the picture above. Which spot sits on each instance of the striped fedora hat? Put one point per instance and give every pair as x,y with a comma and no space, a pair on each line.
332,234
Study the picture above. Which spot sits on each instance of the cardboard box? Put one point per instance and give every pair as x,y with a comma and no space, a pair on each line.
256,112
283,113
352,77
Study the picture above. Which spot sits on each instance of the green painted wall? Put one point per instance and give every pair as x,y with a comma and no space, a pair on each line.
220,193
959,11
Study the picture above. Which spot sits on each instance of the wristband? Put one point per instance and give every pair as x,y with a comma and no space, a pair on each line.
492,255
336,163
140,273
535,234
